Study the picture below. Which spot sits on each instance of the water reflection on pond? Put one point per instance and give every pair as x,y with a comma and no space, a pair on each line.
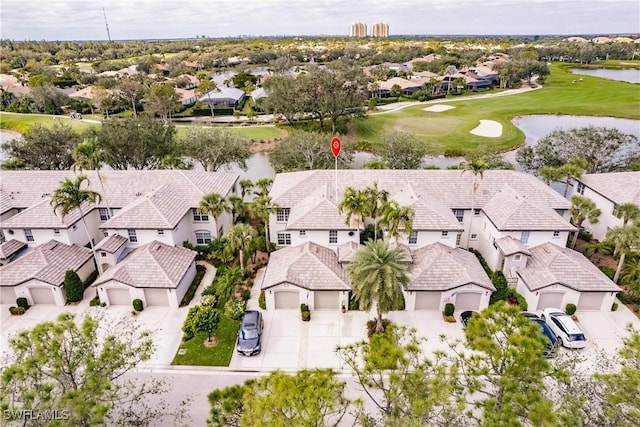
629,76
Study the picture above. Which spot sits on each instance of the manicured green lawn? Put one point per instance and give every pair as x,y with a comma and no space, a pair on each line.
449,130
23,122
220,355
247,132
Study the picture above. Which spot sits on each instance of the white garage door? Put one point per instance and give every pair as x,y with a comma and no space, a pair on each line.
287,299
468,301
7,295
42,296
428,300
591,301
550,300
156,297
326,300
119,296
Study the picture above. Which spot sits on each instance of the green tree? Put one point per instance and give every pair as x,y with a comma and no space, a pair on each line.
227,405
206,320
82,369
375,199
631,277
237,205
629,212
161,100
450,71
582,209
284,96
215,147
378,275
401,150
263,185
44,147
571,170
550,174
227,283
302,150
262,207
625,239
88,155
47,99
239,238
73,286
246,185
396,218
70,196
132,92
354,204
205,87
215,205
172,161
477,167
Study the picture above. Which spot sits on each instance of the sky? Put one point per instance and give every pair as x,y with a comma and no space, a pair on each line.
166,19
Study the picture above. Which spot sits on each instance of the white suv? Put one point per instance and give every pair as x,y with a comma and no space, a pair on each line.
564,327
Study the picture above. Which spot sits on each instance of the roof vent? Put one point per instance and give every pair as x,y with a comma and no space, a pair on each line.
138,194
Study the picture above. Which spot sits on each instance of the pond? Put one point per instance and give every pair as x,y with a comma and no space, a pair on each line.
629,75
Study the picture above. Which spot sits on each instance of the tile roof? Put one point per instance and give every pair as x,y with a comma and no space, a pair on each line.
509,246
438,267
347,250
550,264
509,210
309,266
316,212
46,263
112,243
154,265
41,215
161,209
619,187
10,247
430,213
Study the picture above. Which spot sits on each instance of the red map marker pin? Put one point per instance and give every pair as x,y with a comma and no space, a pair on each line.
336,146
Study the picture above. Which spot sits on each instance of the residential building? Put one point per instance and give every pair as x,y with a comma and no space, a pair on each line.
380,29
358,29
225,97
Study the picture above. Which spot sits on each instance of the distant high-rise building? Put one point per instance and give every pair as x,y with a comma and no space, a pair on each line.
380,30
358,29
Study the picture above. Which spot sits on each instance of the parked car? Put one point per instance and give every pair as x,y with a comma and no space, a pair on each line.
552,344
465,316
250,333
563,326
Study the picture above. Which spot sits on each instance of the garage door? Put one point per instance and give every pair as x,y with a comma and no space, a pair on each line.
326,300
7,295
550,300
468,301
287,299
42,295
428,300
156,297
591,301
119,296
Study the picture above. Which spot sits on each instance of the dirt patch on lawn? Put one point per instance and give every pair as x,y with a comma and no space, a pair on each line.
212,343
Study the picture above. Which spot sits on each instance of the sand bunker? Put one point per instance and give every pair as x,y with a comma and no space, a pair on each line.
488,128
438,108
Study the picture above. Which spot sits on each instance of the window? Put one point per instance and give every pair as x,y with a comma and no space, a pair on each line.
458,237
303,233
103,254
333,236
133,237
556,234
615,210
444,234
284,238
580,189
28,234
524,237
199,216
105,233
517,257
413,238
160,232
104,214
476,212
561,212
474,237
56,231
203,237
459,213
283,215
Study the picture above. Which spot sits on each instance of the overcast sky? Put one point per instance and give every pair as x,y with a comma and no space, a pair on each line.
139,19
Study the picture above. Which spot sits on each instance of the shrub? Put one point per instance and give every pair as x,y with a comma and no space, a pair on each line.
103,304
353,304
449,309
371,326
246,273
482,262
200,268
209,290
608,271
500,282
626,298
234,309
570,309
306,316
94,302
22,302
304,307
245,293
137,305
92,278
585,235
193,287
614,306
262,301
209,301
17,310
73,286
189,325
514,297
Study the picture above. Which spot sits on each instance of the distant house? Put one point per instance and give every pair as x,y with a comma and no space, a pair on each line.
258,93
187,96
229,97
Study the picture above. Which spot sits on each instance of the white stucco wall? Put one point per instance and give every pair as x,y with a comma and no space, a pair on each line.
570,296
607,219
449,296
175,296
22,290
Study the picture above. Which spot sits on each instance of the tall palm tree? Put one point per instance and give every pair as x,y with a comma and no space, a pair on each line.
477,167
450,71
378,275
88,155
236,204
573,169
397,218
246,185
175,162
71,195
550,174
262,207
354,205
631,277
582,208
625,239
263,185
375,199
205,87
215,205
239,238
629,212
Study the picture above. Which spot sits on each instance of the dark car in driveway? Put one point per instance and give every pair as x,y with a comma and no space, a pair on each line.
552,340
250,333
466,315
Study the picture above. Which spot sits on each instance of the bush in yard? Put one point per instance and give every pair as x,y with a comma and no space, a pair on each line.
22,302
245,293
189,326
210,290
478,255
209,300
614,306
137,305
17,310
73,286
306,316
514,297
500,282
371,326
94,302
570,309
304,307
92,278
608,271
234,309
449,309
262,301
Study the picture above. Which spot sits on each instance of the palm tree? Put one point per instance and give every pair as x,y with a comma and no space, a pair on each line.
629,212
214,204
631,277
625,239
88,155
70,196
573,169
246,185
376,198
550,174
263,185
262,207
378,275
174,162
237,205
450,71
582,208
354,205
477,168
396,218
205,87
239,238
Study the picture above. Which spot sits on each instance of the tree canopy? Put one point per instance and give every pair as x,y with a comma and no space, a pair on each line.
302,150
44,147
215,147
